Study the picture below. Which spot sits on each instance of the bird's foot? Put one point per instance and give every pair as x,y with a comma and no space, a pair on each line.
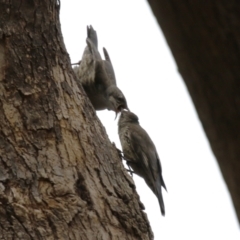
130,171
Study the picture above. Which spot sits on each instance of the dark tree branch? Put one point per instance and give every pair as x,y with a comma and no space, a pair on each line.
204,38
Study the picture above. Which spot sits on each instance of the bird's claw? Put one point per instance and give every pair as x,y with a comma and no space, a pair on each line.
130,171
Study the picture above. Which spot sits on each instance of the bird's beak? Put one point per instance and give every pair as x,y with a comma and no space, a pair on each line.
117,112
120,110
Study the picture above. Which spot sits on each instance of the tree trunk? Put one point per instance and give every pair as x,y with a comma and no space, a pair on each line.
60,177
205,41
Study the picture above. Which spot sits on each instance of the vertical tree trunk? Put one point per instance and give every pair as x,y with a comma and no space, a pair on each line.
60,177
205,40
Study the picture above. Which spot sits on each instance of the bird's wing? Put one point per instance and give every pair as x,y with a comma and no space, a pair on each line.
91,59
100,71
160,169
150,163
86,70
141,147
146,151
102,79
139,140
109,67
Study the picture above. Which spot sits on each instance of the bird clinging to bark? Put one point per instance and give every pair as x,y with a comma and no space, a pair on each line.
141,154
98,78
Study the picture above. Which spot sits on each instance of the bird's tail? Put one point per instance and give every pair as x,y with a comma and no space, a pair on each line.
163,183
109,67
160,197
106,55
92,35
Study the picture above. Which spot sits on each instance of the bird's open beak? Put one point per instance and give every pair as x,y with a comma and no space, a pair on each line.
119,110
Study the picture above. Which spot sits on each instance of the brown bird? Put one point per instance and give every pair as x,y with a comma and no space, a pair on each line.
141,154
98,78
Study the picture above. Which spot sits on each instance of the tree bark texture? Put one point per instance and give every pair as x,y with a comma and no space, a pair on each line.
60,177
204,38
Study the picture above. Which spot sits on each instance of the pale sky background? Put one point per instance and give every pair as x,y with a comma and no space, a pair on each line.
198,205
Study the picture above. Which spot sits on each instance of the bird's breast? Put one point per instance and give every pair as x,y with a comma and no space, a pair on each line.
124,136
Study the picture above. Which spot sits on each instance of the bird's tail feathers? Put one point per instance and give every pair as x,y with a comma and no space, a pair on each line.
92,35
93,50
163,184
90,46
107,57
160,198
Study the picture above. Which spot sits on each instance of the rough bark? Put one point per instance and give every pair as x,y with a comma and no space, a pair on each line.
60,177
204,38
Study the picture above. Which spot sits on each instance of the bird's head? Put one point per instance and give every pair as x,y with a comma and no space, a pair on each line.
128,117
116,100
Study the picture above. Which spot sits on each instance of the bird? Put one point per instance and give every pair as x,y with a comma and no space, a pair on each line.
141,154
98,78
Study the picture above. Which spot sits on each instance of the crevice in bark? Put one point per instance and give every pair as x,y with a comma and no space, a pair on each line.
82,191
